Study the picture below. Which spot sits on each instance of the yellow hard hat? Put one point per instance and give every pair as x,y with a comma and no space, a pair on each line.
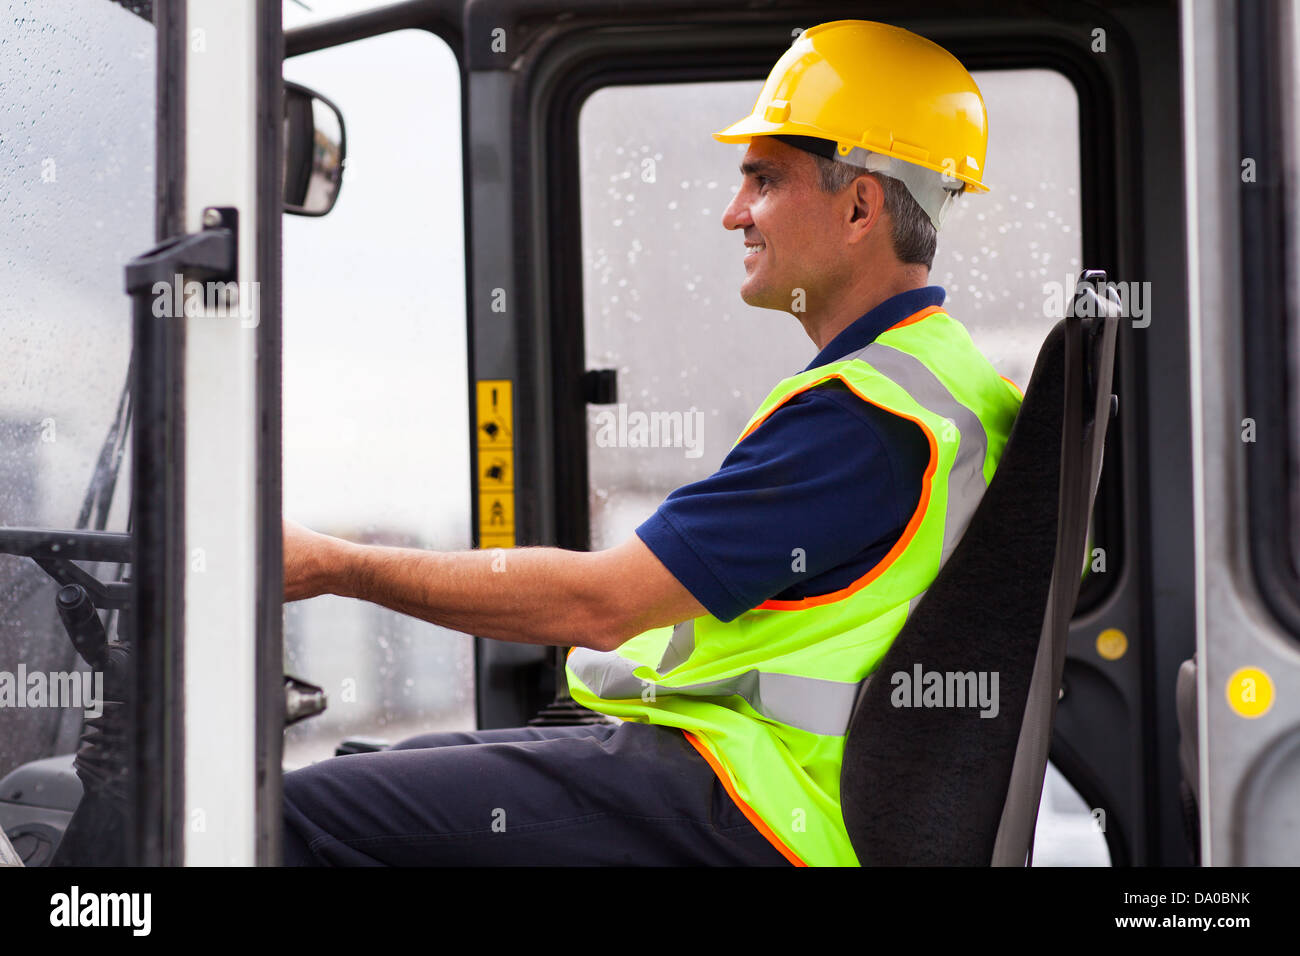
878,87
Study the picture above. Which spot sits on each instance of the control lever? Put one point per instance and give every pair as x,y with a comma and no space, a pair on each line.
86,630
81,621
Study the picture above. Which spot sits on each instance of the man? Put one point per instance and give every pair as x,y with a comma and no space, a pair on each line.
732,632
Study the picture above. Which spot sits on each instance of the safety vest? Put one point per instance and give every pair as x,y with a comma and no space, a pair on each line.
766,698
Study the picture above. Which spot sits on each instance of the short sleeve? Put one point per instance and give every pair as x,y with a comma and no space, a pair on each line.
824,484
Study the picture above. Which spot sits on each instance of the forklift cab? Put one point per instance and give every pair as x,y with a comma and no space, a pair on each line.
527,247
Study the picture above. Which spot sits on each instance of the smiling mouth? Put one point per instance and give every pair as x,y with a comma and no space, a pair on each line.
754,248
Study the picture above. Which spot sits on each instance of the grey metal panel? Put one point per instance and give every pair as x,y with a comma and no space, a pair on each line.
504,672
1266,814
488,171
1248,767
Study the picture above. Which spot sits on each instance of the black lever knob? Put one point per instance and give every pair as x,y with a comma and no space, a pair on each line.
81,621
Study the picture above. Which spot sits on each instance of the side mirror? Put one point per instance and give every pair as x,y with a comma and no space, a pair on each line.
315,147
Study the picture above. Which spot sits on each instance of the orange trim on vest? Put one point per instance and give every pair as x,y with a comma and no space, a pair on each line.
909,532
925,313
745,808
1019,391
913,523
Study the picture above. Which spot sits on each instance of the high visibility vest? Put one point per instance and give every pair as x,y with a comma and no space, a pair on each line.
766,698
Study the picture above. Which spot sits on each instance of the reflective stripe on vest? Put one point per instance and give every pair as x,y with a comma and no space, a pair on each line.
769,695
809,703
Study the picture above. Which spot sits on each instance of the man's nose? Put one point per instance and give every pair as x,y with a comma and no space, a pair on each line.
736,215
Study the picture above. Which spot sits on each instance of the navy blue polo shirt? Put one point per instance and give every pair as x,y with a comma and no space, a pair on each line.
827,473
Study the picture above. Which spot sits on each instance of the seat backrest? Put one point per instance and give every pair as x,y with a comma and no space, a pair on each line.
931,777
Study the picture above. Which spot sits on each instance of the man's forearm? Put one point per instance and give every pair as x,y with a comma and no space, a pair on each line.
527,595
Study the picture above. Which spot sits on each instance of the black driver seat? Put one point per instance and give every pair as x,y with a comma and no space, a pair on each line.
944,785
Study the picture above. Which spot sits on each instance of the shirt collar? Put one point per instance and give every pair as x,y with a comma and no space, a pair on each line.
887,314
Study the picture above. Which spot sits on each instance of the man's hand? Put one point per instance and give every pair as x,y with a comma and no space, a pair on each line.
310,562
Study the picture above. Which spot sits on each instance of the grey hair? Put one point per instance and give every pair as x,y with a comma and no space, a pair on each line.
914,236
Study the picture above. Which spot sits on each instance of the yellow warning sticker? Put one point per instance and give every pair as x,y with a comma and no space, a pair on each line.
496,417
495,429
1250,692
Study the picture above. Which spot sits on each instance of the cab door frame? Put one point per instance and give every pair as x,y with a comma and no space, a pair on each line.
206,511
1116,737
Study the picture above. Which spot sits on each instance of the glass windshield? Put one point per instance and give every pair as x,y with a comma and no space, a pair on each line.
77,148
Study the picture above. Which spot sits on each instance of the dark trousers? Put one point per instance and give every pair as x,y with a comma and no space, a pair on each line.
628,794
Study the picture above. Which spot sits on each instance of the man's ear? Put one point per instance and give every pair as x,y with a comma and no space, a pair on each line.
868,205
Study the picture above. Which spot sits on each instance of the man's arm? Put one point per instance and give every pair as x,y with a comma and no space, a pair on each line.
528,595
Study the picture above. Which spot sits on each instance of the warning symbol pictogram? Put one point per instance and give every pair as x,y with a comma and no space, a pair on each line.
495,414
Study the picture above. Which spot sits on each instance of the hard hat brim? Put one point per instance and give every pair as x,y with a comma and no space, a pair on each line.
751,126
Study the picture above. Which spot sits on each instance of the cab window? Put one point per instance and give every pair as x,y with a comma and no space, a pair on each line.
77,145
376,433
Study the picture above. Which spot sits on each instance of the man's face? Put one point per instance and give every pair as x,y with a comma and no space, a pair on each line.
792,235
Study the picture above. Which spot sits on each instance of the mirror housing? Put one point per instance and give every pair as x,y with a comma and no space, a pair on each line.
315,150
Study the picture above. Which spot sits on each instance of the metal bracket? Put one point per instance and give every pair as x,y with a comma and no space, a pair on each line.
55,552
212,254
600,386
